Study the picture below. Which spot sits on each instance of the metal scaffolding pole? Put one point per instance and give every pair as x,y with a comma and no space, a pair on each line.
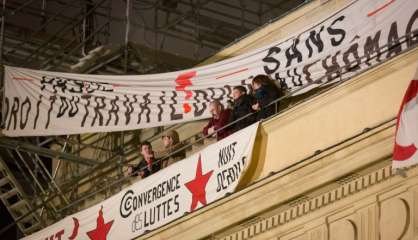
54,175
155,34
61,31
128,11
2,95
3,18
27,147
174,35
45,65
21,7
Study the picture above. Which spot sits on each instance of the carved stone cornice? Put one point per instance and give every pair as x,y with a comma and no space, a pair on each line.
288,213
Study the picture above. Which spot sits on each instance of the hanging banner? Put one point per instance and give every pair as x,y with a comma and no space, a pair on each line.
357,37
405,152
167,195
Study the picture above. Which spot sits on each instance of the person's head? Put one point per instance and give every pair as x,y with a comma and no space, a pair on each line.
145,148
215,108
170,138
238,91
260,80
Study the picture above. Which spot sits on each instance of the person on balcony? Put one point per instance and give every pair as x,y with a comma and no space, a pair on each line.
148,165
265,92
242,106
172,146
220,118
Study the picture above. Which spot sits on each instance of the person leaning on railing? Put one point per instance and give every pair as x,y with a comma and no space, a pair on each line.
220,118
148,165
265,92
242,106
172,144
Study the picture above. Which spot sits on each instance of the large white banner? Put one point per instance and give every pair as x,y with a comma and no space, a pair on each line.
52,103
164,196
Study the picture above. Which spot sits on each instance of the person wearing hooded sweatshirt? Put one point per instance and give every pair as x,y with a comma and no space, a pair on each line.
171,142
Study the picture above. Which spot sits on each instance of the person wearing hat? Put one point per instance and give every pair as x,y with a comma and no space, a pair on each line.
172,144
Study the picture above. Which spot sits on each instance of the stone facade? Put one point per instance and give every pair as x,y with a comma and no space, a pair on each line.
377,205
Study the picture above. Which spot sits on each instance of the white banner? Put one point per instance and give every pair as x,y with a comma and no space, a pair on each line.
52,103
164,196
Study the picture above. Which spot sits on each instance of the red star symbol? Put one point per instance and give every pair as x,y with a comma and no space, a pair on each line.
197,186
102,228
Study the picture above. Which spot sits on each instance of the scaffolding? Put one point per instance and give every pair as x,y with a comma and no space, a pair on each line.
76,36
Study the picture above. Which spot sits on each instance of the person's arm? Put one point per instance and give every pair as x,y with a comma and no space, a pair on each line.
130,171
206,128
136,170
156,165
158,155
262,98
141,173
181,153
224,119
255,103
156,162
232,118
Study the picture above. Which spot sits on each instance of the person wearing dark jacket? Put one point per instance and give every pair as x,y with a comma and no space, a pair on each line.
220,118
148,165
265,92
241,107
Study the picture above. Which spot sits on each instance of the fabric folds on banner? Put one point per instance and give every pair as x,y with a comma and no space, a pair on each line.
164,196
405,152
355,38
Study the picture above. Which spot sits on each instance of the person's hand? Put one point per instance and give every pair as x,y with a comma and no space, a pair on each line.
129,170
256,107
211,130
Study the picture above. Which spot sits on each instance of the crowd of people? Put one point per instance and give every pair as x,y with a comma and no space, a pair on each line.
246,108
